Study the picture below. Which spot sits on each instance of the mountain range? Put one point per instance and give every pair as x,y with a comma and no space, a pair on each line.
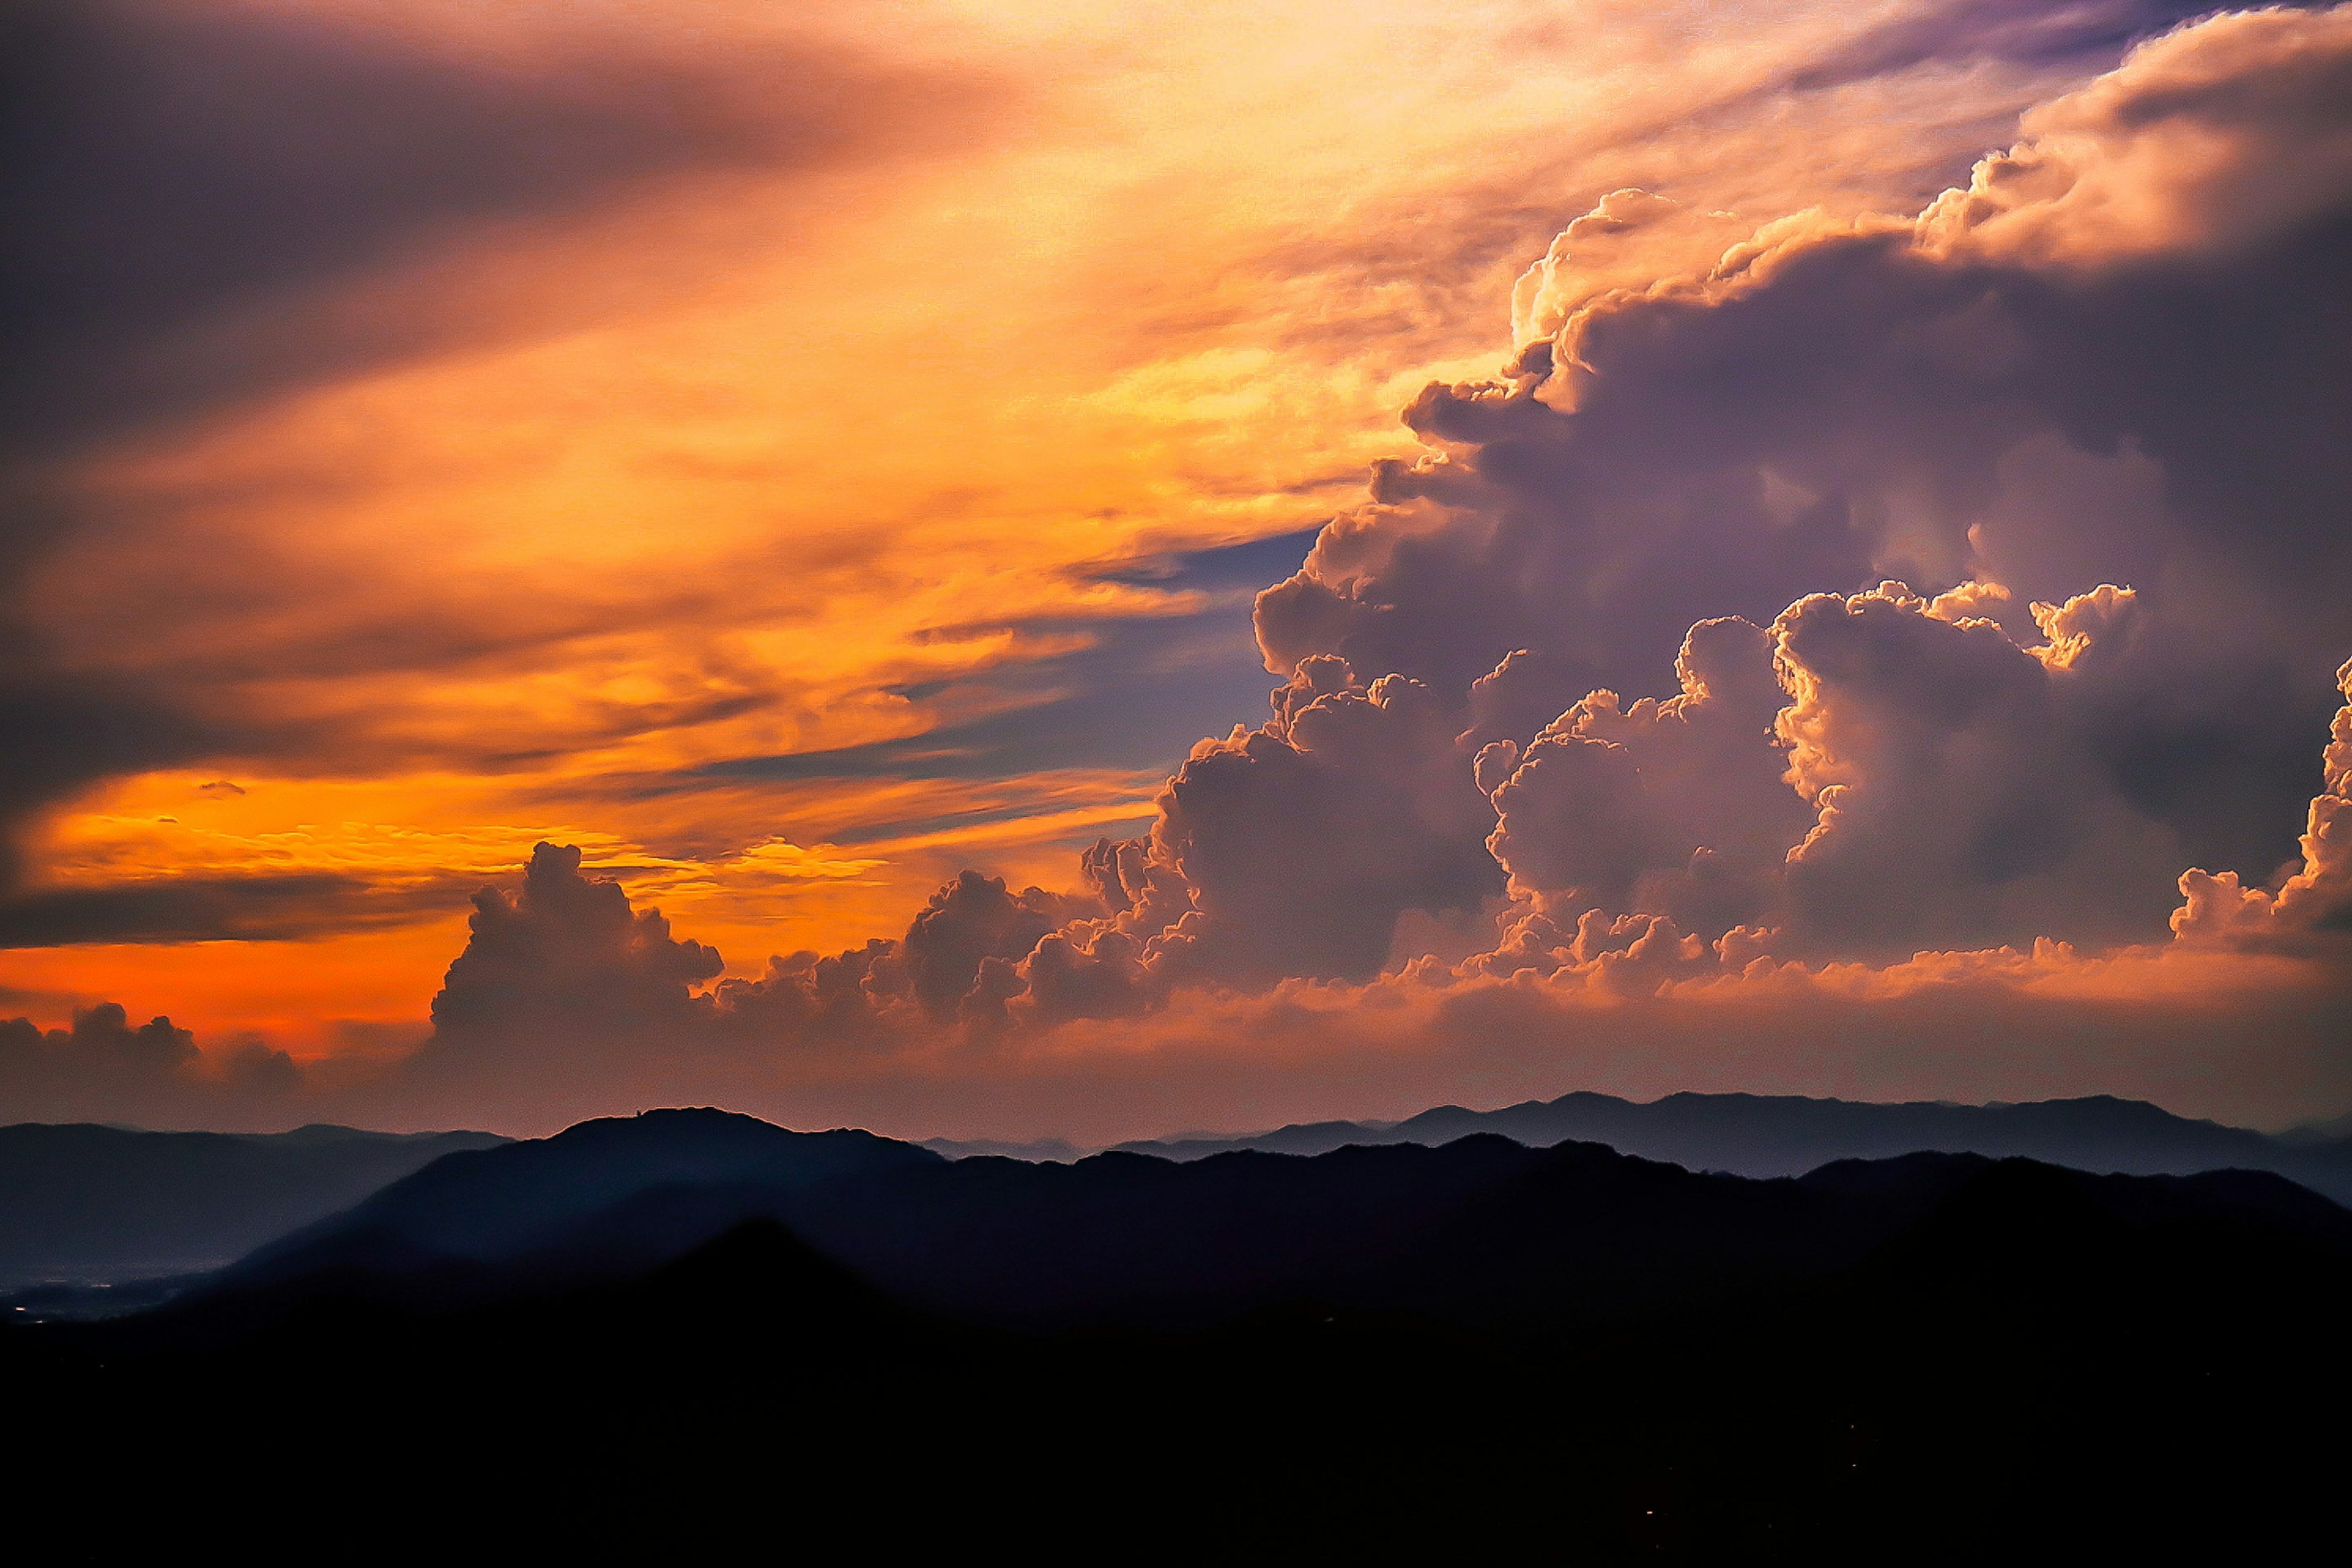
89,1206
1483,1231
1786,1136
665,1331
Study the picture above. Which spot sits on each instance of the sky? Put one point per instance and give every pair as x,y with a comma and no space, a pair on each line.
995,569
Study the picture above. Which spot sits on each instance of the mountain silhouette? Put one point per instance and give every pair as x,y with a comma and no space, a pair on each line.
1787,1135
1383,1352
138,1213
1483,1232
106,1204
504,1205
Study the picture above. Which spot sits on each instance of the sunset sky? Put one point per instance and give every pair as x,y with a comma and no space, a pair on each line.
1804,548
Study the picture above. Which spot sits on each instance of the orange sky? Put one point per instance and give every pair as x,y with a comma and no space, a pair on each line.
714,465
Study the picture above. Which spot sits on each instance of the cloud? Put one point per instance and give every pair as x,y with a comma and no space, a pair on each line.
565,988
566,226
2032,395
1961,795
65,733
215,204
1970,30
2173,155
103,1068
170,168
1678,807
2312,900
971,921
1303,840
567,952
204,908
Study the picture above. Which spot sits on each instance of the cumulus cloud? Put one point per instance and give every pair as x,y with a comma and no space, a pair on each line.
568,994
104,1068
1678,807
568,951
1305,839
2173,155
1289,849
1822,405
1960,793
2314,898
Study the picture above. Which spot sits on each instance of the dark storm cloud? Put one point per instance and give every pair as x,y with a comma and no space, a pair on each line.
169,166
182,908
263,908
63,733
1138,691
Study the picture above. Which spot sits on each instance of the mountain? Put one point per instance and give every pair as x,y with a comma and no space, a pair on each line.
1054,1149
1454,1353
1785,1135
107,1204
519,1204
1483,1232
2336,1130
99,1205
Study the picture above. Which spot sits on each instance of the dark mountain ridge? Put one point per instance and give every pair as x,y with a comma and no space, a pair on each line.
1482,1232
1787,1135
524,1200
111,1207
84,1202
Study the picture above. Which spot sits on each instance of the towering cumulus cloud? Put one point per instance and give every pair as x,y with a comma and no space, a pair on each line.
2091,406
1824,634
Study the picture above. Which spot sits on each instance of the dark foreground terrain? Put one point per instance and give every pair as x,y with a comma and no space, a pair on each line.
682,1331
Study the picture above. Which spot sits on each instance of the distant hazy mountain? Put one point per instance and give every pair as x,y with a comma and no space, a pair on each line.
1058,1149
97,1205
1472,1353
1761,1135
2336,1130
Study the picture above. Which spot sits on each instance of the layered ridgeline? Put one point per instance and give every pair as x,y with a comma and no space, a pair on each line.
688,1320
1482,1230
1786,1136
89,1205
96,1205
